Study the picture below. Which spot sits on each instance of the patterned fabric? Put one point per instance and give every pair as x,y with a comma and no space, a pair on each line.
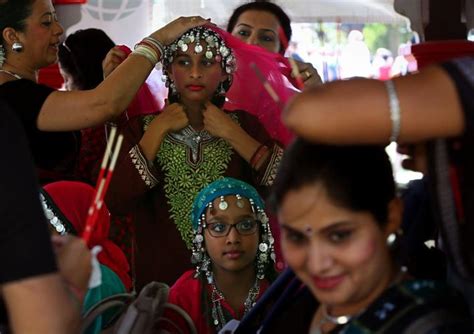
184,177
194,296
223,187
141,165
272,168
90,154
73,200
416,306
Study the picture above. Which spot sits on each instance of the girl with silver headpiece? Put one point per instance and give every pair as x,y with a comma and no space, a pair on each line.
233,254
170,156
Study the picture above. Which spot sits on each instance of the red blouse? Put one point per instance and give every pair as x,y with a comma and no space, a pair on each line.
187,293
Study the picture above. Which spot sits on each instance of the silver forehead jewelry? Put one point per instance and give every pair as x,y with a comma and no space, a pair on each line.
215,49
240,203
223,205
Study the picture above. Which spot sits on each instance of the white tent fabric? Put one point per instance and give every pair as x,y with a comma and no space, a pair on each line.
350,11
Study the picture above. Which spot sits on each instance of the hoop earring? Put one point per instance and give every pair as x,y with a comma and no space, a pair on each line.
17,47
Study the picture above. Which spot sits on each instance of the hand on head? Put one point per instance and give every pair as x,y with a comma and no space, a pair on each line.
176,28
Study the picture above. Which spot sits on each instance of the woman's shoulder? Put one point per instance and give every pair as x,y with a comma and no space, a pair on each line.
415,306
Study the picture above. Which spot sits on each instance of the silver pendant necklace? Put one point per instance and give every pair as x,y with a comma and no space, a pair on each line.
217,313
344,319
326,318
12,74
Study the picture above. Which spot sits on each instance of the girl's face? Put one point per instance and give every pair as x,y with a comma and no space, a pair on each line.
340,254
195,76
41,36
259,28
231,236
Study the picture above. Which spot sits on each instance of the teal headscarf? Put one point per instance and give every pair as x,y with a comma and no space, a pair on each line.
223,187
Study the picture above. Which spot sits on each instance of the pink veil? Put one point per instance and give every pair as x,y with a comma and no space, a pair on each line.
151,95
247,91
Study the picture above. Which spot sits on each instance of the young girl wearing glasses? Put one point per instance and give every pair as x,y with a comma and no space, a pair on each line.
233,254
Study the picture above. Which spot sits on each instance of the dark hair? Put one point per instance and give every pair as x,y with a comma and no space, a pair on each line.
358,178
81,56
13,14
269,7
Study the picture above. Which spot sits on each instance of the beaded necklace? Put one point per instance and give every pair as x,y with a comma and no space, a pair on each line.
218,318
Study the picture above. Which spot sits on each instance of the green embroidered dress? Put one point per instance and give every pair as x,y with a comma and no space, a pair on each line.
160,195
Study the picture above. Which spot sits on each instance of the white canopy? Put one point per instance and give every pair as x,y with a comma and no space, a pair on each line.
350,11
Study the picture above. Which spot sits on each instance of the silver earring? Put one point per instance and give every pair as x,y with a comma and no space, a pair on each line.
393,237
173,88
17,47
221,89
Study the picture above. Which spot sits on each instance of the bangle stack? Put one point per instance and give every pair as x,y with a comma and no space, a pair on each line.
258,155
394,110
150,48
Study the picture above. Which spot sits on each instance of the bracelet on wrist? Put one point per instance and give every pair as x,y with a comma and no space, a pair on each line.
258,155
394,106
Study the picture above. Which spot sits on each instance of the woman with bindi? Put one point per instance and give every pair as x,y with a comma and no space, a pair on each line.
340,219
267,25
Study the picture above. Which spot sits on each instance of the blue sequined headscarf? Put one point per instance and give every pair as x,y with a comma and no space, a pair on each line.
224,187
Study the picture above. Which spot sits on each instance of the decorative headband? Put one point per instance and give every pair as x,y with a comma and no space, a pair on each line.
204,200
54,216
215,47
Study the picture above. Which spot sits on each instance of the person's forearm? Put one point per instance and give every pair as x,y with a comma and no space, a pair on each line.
243,143
63,111
40,305
357,111
151,140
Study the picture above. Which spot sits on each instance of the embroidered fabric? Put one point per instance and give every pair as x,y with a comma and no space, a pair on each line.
217,313
141,165
192,138
272,168
184,178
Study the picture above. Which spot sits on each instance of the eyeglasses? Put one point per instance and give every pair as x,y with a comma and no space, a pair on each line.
244,227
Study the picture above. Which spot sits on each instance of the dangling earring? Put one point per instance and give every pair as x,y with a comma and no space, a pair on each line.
172,86
17,47
2,55
221,89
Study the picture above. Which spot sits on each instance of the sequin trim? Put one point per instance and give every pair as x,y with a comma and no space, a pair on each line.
141,165
272,167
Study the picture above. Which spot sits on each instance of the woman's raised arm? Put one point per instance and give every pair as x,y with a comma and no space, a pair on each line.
65,111
357,111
